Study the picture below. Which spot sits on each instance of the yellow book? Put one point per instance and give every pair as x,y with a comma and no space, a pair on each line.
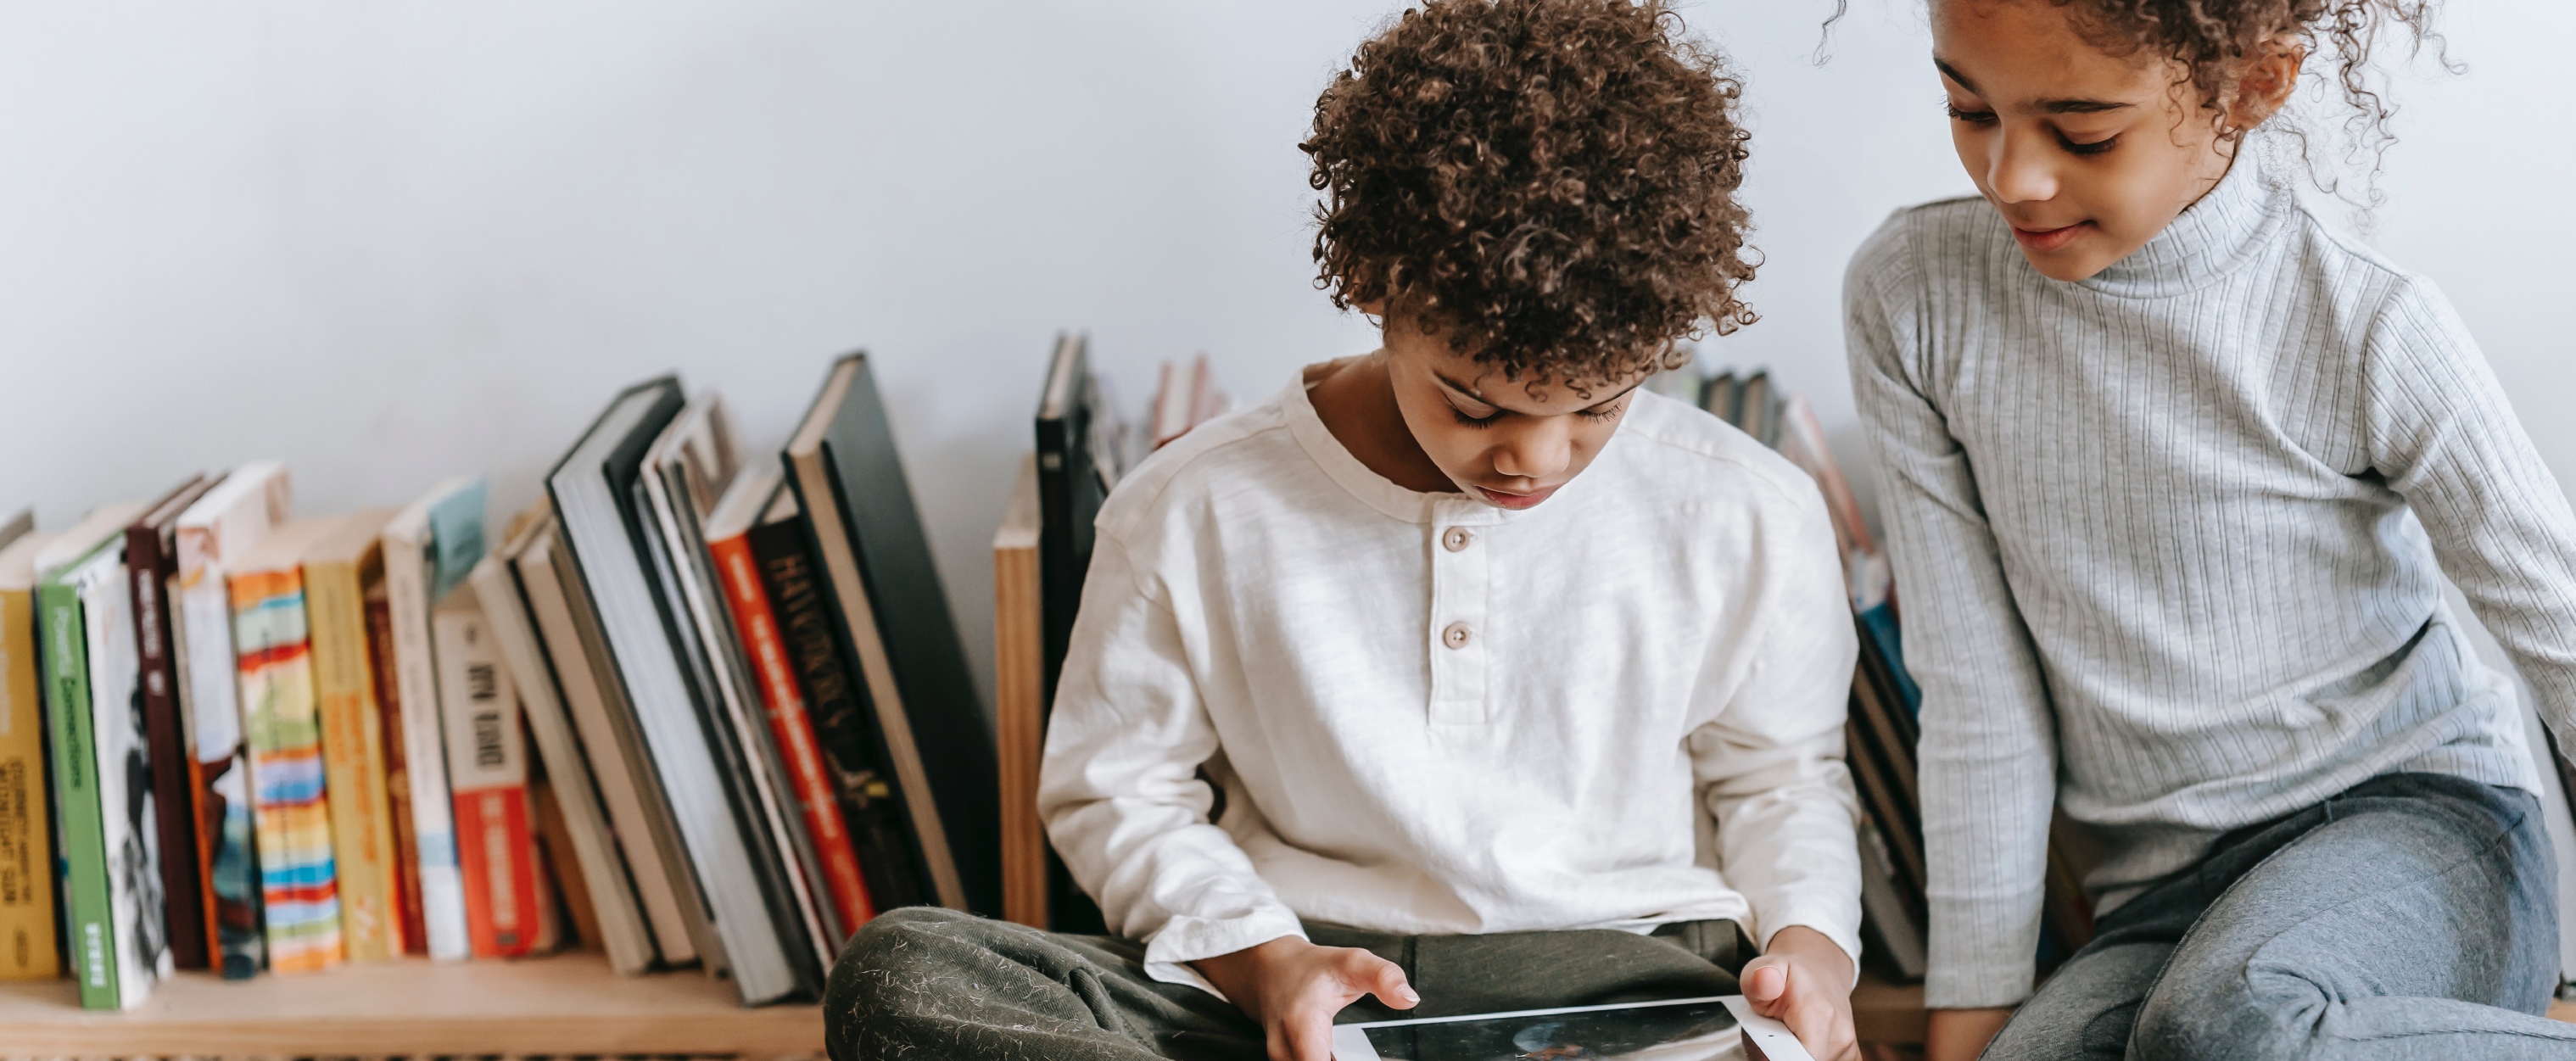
337,573
26,841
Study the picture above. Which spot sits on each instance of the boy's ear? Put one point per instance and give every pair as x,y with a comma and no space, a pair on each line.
2269,79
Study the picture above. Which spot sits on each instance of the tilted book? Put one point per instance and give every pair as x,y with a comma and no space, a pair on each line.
222,525
430,548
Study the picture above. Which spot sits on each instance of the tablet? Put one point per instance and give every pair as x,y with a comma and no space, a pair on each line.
1687,1029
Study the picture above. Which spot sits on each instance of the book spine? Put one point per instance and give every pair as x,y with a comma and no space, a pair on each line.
433,826
411,937
86,904
793,728
227,859
1019,709
870,814
291,812
27,939
174,774
488,774
353,762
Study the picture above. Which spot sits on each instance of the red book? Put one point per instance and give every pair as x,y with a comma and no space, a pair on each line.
487,773
380,650
729,546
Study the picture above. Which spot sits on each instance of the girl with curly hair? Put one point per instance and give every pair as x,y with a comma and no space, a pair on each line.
1523,687
2174,471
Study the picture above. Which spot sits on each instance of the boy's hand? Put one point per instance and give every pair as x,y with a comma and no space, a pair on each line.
1805,982
1294,987
1962,1034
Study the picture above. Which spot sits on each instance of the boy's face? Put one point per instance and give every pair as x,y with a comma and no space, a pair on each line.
2087,154
1504,443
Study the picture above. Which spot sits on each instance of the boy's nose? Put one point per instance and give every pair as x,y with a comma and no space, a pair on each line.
2021,170
1540,451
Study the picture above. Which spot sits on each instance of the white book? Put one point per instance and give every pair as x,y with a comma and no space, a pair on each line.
416,558
141,941
219,528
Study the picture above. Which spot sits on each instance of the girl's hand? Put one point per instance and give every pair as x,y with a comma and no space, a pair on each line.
1805,982
1293,988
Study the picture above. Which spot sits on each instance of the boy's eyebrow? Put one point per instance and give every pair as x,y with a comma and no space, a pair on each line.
1473,393
2053,106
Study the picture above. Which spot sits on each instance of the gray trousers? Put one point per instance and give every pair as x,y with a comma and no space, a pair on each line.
923,982
2413,916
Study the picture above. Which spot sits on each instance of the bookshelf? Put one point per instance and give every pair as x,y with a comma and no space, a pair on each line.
1893,1013
567,1004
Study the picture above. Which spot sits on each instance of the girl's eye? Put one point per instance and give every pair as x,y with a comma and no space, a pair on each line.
1970,117
2094,148
1480,422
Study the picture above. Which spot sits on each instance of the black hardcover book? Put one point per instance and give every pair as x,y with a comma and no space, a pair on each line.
870,809
617,550
893,621
1069,495
151,561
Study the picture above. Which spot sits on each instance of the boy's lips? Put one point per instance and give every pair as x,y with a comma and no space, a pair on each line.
1506,499
2048,239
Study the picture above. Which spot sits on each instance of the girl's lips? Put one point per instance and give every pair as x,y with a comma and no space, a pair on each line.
2049,239
1500,499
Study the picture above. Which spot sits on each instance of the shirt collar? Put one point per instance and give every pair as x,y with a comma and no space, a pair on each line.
2225,229
1372,489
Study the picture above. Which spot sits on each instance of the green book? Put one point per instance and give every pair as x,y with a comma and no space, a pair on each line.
76,787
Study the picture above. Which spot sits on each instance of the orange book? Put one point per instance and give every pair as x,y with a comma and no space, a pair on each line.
487,773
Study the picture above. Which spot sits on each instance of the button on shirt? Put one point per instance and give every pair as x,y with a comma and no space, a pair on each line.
1620,708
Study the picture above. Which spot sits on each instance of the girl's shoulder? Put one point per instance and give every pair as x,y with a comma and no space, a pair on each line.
1904,248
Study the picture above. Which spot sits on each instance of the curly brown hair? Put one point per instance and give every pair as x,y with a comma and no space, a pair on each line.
1548,183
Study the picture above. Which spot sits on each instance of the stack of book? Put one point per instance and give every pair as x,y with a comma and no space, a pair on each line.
1881,736
1084,443
698,707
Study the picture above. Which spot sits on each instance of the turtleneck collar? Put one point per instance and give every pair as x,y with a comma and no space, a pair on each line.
2226,228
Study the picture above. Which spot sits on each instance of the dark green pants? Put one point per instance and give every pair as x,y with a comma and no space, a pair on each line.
928,983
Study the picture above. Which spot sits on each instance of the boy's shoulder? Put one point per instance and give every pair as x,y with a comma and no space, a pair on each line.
1235,447
1692,456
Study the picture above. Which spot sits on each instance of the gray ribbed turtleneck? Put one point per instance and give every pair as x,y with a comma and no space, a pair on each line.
2169,543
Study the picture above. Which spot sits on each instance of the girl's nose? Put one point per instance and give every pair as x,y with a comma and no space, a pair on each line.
2022,169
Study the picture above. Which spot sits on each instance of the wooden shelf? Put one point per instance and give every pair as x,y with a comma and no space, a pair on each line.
1893,1013
568,1004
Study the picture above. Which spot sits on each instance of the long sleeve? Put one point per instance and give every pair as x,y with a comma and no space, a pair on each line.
1120,790
1770,764
2443,436
1988,759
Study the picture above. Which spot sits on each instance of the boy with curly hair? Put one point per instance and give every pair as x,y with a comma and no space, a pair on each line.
1523,686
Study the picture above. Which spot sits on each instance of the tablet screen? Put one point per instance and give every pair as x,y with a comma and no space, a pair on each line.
1685,1031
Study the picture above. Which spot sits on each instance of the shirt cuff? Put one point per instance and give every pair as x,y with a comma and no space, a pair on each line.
1187,939
1819,917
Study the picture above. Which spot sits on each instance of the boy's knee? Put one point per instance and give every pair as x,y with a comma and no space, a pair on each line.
875,982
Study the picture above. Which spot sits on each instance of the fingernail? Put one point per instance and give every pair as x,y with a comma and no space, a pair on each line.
1408,994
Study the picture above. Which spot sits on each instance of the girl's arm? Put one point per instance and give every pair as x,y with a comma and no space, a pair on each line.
2443,436
1120,789
1988,754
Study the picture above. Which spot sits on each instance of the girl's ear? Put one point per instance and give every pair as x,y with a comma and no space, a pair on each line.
2265,88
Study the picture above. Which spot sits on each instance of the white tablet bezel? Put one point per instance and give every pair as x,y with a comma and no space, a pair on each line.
1764,1039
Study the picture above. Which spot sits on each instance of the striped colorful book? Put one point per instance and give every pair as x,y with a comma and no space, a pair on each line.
282,733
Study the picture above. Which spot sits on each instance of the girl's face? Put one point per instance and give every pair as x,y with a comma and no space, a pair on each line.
2087,154
1501,443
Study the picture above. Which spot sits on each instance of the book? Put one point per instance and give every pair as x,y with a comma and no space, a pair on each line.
1019,695
580,845
685,472
224,523
487,773
628,796
870,808
282,730
571,888
1893,927
343,572
27,937
111,884
892,616
1722,397
808,778
152,567
411,927
429,549
611,539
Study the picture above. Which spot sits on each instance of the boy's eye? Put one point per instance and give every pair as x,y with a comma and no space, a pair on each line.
1602,412
1465,420
1968,116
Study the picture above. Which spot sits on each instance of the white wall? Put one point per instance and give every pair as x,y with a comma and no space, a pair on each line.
388,242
